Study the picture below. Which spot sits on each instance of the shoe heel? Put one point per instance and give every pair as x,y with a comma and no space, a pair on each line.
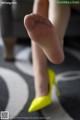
54,83
53,77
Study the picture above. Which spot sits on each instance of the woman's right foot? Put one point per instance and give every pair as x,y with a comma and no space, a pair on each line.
43,33
43,101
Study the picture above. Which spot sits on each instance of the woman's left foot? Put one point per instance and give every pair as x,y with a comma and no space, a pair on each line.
42,31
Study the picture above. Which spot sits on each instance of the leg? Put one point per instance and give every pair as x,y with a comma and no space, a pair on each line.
39,58
44,33
9,44
50,40
35,24
59,18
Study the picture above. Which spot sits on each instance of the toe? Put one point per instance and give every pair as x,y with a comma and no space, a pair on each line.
28,22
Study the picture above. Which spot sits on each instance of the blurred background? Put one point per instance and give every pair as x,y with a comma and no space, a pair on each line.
16,74
12,27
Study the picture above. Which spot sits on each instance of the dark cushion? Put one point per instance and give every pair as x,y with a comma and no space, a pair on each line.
73,28
21,8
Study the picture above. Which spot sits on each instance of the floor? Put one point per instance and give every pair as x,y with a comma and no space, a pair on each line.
17,86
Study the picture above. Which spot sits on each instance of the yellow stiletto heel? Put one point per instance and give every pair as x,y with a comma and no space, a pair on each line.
53,77
43,101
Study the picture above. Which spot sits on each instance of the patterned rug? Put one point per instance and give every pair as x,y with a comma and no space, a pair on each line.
17,87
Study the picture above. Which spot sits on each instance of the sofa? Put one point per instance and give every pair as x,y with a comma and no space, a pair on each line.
12,27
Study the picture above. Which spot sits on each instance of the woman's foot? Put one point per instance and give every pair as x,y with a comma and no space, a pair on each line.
42,32
45,100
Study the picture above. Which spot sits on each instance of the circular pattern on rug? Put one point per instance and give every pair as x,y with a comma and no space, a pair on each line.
3,94
18,88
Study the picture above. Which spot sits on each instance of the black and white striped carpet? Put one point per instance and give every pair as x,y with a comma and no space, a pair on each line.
17,87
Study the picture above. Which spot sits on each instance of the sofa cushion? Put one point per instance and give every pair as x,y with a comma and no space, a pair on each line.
21,8
73,28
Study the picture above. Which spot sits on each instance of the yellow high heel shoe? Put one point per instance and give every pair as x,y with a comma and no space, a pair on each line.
43,101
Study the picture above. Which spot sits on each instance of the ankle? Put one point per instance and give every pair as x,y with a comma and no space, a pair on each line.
41,88
41,93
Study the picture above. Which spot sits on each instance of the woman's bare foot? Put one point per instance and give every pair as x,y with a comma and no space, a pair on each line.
43,33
